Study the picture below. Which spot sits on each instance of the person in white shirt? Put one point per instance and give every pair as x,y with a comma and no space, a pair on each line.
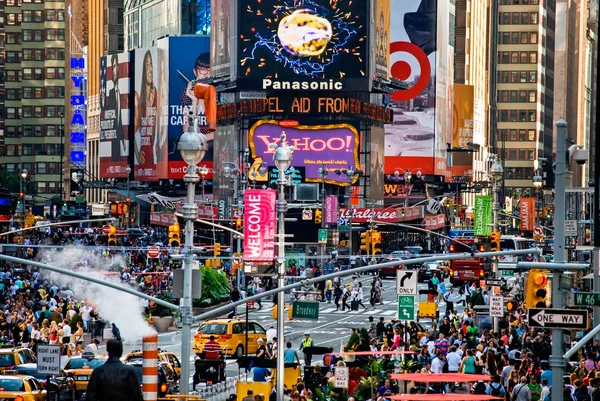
92,347
85,311
545,389
437,365
454,360
271,333
66,332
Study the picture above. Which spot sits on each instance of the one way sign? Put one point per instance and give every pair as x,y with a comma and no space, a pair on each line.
573,319
406,282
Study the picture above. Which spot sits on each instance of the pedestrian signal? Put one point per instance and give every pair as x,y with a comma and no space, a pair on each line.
112,236
538,293
174,235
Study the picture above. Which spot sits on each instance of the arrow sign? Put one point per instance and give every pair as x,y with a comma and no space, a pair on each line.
572,319
493,282
406,282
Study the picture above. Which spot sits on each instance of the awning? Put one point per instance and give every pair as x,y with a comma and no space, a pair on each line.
439,377
447,397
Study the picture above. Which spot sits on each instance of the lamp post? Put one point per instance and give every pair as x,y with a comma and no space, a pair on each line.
128,171
192,146
62,154
323,174
23,177
203,172
282,156
496,173
538,181
350,174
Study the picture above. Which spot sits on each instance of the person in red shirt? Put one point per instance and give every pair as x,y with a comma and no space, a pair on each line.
211,349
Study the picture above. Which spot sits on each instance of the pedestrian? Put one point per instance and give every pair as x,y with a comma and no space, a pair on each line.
328,290
337,293
290,355
360,295
449,298
114,381
521,392
304,347
345,296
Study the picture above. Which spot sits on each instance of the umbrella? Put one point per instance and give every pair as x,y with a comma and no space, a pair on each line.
442,397
439,377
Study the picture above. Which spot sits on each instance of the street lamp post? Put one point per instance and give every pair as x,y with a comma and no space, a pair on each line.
23,177
323,174
192,146
538,181
496,172
282,156
203,172
128,171
62,154
350,173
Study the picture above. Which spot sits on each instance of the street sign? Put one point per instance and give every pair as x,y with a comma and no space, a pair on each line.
570,228
494,281
406,307
406,282
322,235
307,214
507,273
586,298
570,319
305,310
106,229
237,259
538,230
259,268
48,359
342,377
496,306
153,252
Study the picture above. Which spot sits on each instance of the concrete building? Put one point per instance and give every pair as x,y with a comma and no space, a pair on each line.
32,92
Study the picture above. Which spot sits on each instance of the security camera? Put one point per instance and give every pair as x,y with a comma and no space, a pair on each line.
581,156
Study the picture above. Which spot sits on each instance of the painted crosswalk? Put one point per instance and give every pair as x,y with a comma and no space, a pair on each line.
266,313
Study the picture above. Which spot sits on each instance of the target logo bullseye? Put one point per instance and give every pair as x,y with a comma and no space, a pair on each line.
401,70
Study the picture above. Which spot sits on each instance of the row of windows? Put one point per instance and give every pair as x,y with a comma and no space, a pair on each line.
517,57
517,116
35,35
521,135
517,77
35,168
517,96
13,56
518,18
34,111
520,154
17,3
32,131
35,16
519,173
516,38
519,2
41,149
48,92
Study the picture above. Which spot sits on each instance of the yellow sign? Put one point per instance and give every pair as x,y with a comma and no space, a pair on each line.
463,111
381,47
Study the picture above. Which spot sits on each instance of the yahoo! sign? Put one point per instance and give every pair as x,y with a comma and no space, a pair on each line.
259,225
78,108
334,145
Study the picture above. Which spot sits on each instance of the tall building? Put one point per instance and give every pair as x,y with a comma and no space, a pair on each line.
32,92
525,85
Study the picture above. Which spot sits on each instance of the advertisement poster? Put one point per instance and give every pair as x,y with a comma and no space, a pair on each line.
295,258
189,60
331,209
149,150
527,213
226,152
420,55
114,115
482,225
260,223
303,45
376,176
220,20
462,129
335,145
380,42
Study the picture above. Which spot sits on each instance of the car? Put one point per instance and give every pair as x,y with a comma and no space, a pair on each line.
231,336
167,382
59,388
427,270
14,356
80,369
163,356
21,387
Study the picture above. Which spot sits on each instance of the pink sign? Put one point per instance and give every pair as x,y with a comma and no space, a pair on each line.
331,209
260,221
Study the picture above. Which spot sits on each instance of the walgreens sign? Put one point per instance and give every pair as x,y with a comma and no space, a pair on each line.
259,225
389,215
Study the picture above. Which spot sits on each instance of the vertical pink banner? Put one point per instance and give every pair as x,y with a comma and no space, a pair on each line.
331,209
260,222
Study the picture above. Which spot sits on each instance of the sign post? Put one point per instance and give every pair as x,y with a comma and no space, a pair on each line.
406,307
569,319
406,282
496,306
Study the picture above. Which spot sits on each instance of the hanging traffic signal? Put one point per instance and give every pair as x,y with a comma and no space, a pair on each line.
174,235
403,211
538,293
376,241
238,224
112,236
217,249
318,216
365,241
495,241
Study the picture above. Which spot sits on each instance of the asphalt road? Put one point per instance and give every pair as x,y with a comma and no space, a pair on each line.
331,329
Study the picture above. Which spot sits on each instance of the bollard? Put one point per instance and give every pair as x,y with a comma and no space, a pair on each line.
150,368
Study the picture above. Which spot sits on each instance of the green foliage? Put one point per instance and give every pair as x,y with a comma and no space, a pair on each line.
215,288
162,311
11,181
73,323
408,365
366,387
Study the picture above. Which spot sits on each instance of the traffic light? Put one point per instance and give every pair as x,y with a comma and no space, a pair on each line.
376,242
112,236
318,216
238,224
174,238
495,241
365,241
538,293
217,249
511,306
403,211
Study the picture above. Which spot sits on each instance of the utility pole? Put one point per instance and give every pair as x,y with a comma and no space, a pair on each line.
323,173
496,171
557,361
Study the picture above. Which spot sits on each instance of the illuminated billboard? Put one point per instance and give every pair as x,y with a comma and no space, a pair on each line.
334,145
114,115
303,45
421,54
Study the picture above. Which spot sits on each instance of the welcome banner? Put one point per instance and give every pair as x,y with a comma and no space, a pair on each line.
483,215
260,221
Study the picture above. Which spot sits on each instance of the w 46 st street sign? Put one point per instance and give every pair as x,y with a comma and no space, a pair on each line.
571,319
586,298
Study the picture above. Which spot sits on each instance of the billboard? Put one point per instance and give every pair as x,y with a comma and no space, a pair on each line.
335,145
463,108
380,39
114,115
303,45
260,223
527,214
221,36
421,54
376,176
149,149
188,60
226,149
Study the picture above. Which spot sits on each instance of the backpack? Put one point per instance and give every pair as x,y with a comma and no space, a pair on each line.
479,388
496,391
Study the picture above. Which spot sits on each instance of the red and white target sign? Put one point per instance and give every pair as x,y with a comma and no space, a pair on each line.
403,67
153,252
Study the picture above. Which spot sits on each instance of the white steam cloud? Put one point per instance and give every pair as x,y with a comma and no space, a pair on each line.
120,308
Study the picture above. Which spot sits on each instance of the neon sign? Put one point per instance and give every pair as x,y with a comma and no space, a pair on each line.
78,110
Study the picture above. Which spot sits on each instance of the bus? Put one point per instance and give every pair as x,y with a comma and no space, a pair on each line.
469,268
513,242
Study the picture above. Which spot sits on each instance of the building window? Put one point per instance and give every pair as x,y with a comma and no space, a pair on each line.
533,18
27,93
41,168
531,135
533,57
532,76
38,111
51,73
512,154
505,77
51,92
531,115
522,116
27,35
505,18
27,112
38,93
532,96
515,18
51,15
38,131
513,96
27,130
513,116
524,37
51,130
51,111
61,34
51,34
525,18
524,57
514,57
505,38
27,150
60,15
503,115
533,37
27,54
522,96
12,38
513,135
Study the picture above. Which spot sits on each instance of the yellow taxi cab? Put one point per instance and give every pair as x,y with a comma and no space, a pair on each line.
21,388
11,357
231,336
163,356
81,368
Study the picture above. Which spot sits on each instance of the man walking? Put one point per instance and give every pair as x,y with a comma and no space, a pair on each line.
449,298
521,392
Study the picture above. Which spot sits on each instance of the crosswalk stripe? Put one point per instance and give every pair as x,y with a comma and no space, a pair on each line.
328,310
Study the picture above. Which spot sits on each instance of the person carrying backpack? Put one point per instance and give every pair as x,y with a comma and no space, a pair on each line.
495,388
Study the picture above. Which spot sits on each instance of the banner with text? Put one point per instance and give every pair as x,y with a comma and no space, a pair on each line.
527,214
483,215
331,209
260,222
